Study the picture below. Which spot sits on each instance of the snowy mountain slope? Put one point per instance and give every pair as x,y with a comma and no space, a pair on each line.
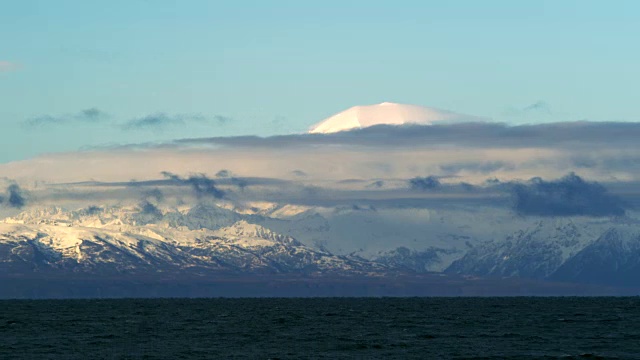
570,249
385,113
434,238
208,239
413,260
614,259
534,252
98,242
444,234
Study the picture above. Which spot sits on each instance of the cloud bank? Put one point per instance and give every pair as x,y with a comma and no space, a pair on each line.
568,196
552,135
470,153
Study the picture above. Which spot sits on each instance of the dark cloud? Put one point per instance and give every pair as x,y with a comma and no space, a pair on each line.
582,161
607,162
538,107
424,183
569,196
91,115
467,187
148,214
173,177
15,196
149,209
223,173
163,120
239,182
221,119
201,185
154,121
299,173
155,194
569,135
93,209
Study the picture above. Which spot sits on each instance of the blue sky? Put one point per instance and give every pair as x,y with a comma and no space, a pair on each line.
218,68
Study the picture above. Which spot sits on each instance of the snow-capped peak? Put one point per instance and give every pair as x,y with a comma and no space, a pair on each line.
386,113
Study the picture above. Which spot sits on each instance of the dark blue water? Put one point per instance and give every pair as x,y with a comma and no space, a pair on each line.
431,328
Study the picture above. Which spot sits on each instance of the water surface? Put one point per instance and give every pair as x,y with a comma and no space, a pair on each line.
322,328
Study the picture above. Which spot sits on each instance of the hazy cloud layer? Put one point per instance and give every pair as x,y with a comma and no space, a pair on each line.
486,167
163,120
568,196
553,135
471,153
91,115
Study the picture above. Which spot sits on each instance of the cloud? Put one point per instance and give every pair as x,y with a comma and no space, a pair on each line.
201,185
92,210
149,213
476,167
538,108
162,120
223,173
424,183
568,196
15,197
90,115
239,182
8,66
605,152
155,194
488,135
148,208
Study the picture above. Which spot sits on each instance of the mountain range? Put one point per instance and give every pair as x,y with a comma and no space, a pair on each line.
207,241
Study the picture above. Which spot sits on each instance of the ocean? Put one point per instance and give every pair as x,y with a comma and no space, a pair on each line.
322,328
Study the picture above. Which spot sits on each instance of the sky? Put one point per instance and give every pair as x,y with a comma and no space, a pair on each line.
78,74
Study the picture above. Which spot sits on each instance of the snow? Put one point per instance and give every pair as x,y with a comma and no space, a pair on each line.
388,114
492,241
288,211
